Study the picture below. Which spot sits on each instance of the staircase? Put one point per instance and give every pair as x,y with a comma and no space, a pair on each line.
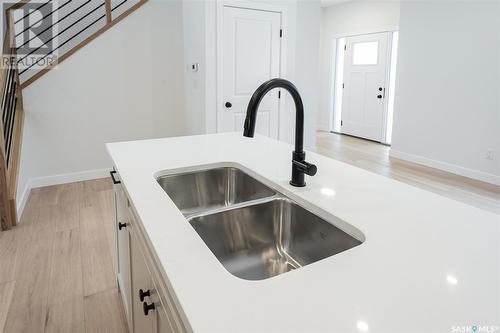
38,36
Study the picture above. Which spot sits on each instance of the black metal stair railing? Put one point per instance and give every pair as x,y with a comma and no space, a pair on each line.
62,32
73,23
9,106
51,26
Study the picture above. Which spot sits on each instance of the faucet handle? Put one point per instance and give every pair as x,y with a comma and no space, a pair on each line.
306,167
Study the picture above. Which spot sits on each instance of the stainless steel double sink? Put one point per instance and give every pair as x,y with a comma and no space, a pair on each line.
253,230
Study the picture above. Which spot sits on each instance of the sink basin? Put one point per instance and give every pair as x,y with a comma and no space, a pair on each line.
261,240
255,231
205,190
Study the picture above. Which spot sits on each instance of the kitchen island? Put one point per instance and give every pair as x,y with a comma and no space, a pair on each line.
425,263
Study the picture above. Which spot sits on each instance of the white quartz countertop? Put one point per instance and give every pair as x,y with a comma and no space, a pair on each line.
428,263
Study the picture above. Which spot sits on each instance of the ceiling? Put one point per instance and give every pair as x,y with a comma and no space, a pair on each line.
327,3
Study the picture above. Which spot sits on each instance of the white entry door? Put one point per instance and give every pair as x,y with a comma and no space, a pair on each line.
250,55
364,93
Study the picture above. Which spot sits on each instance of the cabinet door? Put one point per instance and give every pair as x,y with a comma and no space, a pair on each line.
123,250
141,280
162,322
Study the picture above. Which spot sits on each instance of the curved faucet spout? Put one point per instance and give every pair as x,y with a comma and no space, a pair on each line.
299,165
258,95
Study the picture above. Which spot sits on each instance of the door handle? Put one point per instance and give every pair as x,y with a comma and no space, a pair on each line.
147,307
143,294
228,105
383,94
112,174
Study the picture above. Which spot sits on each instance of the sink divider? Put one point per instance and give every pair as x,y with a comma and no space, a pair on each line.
248,203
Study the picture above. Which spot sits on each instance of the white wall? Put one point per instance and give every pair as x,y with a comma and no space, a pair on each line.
301,63
129,84
347,19
194,53
125,85
307,59
447,109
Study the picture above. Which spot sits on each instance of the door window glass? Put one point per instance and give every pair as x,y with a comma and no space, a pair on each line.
365,53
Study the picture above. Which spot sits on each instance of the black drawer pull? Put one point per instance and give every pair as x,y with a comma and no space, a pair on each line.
143,294
146,307
121,225
112,174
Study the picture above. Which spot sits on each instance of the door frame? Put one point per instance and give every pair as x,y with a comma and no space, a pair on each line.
252,5
334,60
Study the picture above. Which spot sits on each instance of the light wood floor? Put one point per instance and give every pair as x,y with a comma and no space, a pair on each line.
374,157
57,265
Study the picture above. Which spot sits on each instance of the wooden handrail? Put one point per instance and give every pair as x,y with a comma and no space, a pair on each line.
11,128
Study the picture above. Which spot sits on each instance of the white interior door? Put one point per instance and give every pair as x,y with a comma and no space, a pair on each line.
364,93
249,55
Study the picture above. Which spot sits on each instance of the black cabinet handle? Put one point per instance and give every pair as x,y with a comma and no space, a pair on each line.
143,294
146,307
228,105
379,96
122,225
112,174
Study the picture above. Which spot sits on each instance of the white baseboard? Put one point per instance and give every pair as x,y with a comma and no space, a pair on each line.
448,167
21,202
57,180
69,178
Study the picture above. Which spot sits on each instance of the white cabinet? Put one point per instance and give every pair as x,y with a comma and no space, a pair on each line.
123,246
142,288
149,314
149,307
163,324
